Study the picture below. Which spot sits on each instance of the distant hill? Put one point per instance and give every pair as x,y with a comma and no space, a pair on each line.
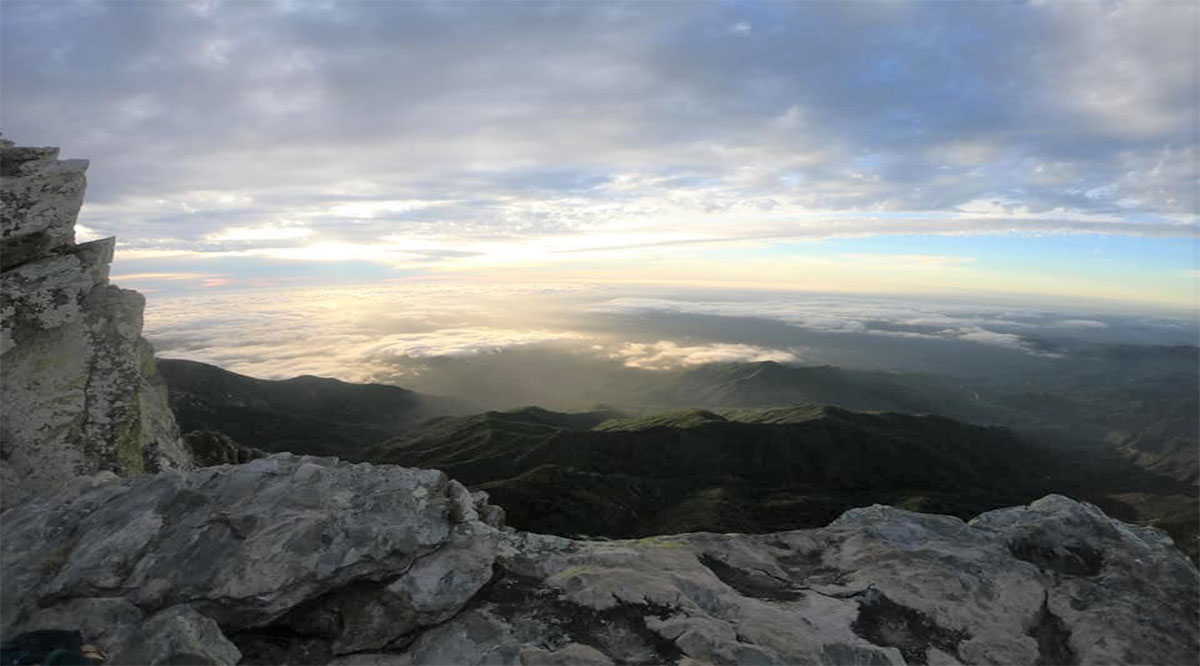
767,383
741,457
303,415
745,470
1142,400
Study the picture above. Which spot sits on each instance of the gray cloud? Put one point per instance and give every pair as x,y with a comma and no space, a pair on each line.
536,119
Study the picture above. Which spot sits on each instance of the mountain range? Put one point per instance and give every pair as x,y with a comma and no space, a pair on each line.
612,473
304,414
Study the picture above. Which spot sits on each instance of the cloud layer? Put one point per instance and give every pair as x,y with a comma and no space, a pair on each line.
666,355
428,135
1017,328
441,336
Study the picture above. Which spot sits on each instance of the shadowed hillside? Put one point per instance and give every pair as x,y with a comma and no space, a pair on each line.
741,464
744,470
304,415
768,383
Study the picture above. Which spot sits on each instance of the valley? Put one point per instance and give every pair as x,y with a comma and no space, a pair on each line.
774,447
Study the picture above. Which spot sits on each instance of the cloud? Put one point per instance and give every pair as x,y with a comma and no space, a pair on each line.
741,28
1079,323
268,232
138,277
352,333
825,319
84,233
437,334
909,261
984,336
457,343
172,281
996,326
666,355
526,132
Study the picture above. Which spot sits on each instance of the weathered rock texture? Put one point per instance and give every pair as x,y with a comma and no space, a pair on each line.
292,559
78,382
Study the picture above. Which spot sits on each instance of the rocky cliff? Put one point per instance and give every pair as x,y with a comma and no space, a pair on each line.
302,560
79,387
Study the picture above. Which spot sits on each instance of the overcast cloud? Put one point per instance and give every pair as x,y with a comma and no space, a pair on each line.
420,134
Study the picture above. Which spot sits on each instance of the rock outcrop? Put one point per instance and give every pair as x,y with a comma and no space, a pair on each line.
79,387
294,559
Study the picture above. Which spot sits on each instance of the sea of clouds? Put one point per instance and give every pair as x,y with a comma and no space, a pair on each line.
396,331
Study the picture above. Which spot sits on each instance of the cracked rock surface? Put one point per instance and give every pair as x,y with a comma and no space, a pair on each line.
80,390
294,560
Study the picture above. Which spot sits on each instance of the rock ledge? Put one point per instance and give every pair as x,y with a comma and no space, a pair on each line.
294,559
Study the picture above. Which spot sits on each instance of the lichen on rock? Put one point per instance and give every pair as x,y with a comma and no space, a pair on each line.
78,398
40,197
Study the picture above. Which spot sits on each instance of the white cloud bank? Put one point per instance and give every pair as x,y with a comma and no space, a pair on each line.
399,329
666,355
457,342
996,326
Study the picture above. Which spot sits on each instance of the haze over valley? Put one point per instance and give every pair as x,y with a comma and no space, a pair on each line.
560,345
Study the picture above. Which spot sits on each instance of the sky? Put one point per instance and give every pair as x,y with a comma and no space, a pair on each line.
1036,149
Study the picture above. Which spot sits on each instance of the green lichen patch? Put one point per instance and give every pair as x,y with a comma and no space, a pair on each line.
129,447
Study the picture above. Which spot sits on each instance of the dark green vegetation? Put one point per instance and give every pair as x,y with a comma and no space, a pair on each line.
1120,433
767,384
211,447
304,414
745,470
1142,401
1145,401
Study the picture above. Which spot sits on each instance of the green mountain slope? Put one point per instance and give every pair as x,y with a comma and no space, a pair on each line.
768,383
748,461
302,415
741,470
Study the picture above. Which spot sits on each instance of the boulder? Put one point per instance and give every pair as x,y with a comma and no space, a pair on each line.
354,555
175,636
295,559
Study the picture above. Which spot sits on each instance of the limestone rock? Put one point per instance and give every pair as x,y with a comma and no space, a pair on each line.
79,386
878,586
1101,570
311,560
356,555
40,197
178,635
